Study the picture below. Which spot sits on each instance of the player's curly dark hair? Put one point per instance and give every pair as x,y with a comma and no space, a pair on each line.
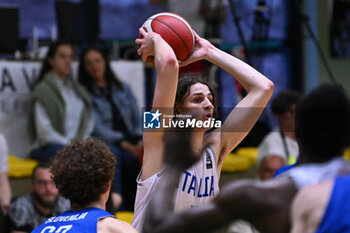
83,170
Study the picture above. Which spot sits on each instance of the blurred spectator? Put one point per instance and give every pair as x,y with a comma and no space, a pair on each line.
60,108
269,165
5,190
29,211
281,141
117,119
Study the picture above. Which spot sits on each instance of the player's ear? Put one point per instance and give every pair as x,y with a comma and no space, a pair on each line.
109,187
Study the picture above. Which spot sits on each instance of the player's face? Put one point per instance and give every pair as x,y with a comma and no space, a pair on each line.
95,64
43,187
199,102
61,62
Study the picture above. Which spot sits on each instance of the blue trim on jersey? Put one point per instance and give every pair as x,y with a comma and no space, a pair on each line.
337,216
283,169
70,221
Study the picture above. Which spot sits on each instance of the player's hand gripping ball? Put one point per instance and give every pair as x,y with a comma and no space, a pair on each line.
175,30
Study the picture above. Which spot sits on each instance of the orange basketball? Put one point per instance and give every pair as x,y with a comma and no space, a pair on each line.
175,30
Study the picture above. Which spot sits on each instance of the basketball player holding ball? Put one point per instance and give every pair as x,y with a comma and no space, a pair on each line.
195,97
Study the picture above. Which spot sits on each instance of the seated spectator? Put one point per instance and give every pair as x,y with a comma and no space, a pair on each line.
117,120
5,193
60,108
268,166
281,141
29,211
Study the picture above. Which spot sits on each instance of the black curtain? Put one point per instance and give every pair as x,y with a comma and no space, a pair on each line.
9,39
78,22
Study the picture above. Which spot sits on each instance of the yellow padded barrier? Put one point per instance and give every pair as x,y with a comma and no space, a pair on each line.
250,153
125,216
347,153
19,168
234,163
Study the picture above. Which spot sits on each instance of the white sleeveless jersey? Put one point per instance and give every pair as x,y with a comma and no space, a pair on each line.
311,174
197,186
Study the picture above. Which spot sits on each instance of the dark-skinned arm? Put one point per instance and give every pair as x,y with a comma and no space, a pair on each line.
266,205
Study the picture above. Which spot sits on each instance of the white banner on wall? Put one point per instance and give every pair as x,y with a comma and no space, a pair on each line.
16,82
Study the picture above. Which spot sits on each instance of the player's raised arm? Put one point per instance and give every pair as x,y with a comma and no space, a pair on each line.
246,113
167,68
243,117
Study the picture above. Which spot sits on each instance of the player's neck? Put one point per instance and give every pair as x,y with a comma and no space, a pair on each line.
99,203
101,82
96,204
289,134
288,131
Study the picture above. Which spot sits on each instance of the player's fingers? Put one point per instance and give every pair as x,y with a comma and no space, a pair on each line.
142,31
139,52
138,41
150,59
144,57
183,63
195,34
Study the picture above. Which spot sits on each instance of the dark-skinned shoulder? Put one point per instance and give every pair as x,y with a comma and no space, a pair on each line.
259,202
